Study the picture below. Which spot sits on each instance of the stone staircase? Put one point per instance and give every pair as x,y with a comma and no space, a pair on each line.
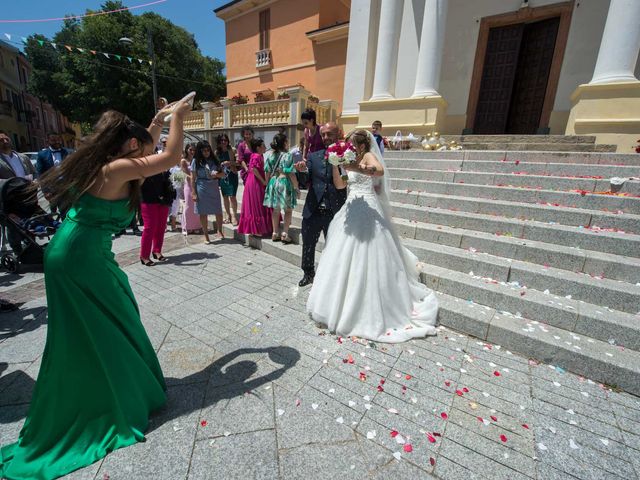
523,253
555,143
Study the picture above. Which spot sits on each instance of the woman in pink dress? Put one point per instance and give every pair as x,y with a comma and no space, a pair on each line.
243,154
190,220
255,219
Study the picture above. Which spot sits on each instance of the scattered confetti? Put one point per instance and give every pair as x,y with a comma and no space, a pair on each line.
496,373
314,406
340,420
394,433
432,461
444,415
371,435
542,446
407,448
203,423
397,455
604,441
431,438
280,412
573,444
503,438
392,410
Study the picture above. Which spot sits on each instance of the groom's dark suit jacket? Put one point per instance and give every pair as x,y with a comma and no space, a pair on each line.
321,185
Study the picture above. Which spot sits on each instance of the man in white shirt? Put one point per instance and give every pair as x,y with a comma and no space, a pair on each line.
12,163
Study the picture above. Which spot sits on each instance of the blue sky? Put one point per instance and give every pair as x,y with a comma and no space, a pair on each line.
194,15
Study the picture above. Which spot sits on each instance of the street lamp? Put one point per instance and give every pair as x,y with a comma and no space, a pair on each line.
125,41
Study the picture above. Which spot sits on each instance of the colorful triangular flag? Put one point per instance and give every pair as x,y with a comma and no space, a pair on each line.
69,48
93,52
140,60
106,55
130,59
54,45
41,42
8,36
119,57
24,40
81,50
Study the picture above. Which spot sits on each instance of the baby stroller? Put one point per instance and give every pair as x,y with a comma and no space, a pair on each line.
23,222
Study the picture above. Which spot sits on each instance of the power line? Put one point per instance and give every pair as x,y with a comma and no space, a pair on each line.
75,17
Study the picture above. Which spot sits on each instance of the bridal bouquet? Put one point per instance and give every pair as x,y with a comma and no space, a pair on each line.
340,153
178,178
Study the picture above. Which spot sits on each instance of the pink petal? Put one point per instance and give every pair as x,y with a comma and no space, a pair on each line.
431,438
444,415
503,438
496,373
407,448
432,461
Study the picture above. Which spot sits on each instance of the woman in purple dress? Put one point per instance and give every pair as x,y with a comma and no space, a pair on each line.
312,138
255,219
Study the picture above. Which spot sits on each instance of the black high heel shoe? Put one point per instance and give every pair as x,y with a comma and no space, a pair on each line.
160,258
148,263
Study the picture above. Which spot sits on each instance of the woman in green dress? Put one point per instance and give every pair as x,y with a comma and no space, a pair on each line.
99,378
282,186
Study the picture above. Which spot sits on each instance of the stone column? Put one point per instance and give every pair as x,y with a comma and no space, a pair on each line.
227,104
387,51
206,108
620,43
431,47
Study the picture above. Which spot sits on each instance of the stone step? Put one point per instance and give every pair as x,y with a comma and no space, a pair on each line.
593,358
611,293
593,239
514,210
583,200
558,139
538,147
546,182
593,263
582,158
530,168
599,240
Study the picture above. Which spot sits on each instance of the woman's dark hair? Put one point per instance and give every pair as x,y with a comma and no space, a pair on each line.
199,156
246,129
360,137
309,114
255,143
277,144
186,149
219,138
77,173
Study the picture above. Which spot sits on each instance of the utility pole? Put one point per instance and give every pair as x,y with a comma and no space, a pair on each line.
152,55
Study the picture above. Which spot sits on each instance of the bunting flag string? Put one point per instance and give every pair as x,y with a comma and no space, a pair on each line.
72,49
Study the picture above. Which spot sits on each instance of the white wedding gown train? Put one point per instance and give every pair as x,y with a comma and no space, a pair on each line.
367,282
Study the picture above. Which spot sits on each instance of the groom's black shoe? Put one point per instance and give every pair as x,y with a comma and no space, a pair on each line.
306,280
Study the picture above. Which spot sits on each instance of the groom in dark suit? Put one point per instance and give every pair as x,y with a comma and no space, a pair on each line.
322,203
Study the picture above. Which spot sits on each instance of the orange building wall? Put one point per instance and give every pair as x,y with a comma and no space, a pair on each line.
332,12
290,21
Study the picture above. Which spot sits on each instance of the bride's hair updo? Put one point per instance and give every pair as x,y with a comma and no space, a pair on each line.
360,137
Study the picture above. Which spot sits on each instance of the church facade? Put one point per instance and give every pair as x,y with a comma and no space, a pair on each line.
495,67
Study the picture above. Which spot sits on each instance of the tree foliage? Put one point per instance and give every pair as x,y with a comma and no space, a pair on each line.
83,85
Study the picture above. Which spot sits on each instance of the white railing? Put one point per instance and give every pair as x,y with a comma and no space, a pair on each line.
217,117
274,112
194,120
263,59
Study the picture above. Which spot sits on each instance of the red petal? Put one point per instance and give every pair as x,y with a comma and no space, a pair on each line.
524,425
431,438
432,461
407,448
496,373
447,383
459,393
203,423
380,389
444,415
382,380
503,438
495,419
465,390
394,433
436,434
408,377
480,419
517,162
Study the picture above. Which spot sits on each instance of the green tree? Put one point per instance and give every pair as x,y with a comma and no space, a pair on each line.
82,85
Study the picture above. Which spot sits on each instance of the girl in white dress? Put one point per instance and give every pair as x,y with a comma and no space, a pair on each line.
367,281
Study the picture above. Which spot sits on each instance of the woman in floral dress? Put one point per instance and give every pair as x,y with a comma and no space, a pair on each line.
282,186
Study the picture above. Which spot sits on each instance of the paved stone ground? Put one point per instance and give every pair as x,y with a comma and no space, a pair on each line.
257,390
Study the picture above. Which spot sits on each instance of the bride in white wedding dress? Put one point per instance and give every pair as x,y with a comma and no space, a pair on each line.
367,281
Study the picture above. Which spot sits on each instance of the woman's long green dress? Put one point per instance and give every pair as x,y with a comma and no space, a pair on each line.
99,378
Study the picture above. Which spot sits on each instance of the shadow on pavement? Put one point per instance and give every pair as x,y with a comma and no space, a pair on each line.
230,382
17,322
